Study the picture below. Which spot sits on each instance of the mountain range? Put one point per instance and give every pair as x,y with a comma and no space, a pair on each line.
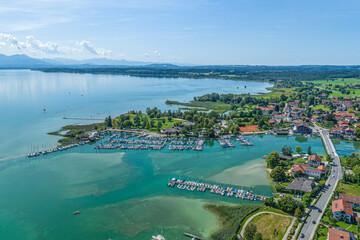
19,61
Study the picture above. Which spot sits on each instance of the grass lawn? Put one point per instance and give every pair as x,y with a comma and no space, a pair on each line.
338,81
167,123
262,209
352,189
276,92
323,107
207,105
267,223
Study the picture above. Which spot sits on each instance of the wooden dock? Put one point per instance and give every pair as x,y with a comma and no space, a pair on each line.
81,118
193,236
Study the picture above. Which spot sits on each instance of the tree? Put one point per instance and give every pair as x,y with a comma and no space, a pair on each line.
159,125
258,236
211,133
357,131
298,149
270,202
298,213
278,174
287,151
309,150
108,122
287,204
250,231
273,159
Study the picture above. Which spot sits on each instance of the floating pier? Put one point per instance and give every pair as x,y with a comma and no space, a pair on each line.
215,189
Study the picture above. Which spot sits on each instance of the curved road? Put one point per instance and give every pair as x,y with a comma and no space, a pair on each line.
259,213
316,212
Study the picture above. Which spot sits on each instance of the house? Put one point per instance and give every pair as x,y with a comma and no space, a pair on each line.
350,132
316,118
336,132
172,130
337,234
278,131
314,160
302,128
309,171
342,210
278,118
301,184
353,200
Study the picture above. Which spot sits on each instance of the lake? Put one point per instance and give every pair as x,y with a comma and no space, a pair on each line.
121,194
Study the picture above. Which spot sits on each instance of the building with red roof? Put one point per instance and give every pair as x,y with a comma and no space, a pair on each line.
307,170
342,210
336,234
353,200
314,160
250,128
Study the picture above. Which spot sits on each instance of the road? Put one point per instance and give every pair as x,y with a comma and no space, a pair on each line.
308,229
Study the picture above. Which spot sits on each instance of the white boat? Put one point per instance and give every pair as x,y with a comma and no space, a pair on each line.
158,237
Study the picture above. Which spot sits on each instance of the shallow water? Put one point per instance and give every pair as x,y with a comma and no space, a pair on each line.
123,193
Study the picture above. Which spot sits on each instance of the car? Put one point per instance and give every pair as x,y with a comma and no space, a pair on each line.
314,222
329,185
302,235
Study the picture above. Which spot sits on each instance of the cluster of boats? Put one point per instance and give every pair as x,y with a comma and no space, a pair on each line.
225,143
52,150
128,147
216,189
144,143
244,141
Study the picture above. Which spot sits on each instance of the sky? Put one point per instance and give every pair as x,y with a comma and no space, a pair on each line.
242,32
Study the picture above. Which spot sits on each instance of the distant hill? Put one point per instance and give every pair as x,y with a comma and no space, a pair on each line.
95,61
22,61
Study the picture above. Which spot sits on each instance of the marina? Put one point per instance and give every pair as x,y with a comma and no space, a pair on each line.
215,189
57,149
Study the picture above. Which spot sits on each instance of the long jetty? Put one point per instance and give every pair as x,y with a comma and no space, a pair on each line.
193,236
215,189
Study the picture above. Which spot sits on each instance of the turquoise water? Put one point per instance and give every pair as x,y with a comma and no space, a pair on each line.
24,94
346,147
121,194
124,194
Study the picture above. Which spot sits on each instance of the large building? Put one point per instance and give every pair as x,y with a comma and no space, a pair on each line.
342,210
353,200
302,128
309,171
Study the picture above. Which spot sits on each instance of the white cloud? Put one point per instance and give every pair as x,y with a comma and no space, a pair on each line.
87,46
35,46
156,53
